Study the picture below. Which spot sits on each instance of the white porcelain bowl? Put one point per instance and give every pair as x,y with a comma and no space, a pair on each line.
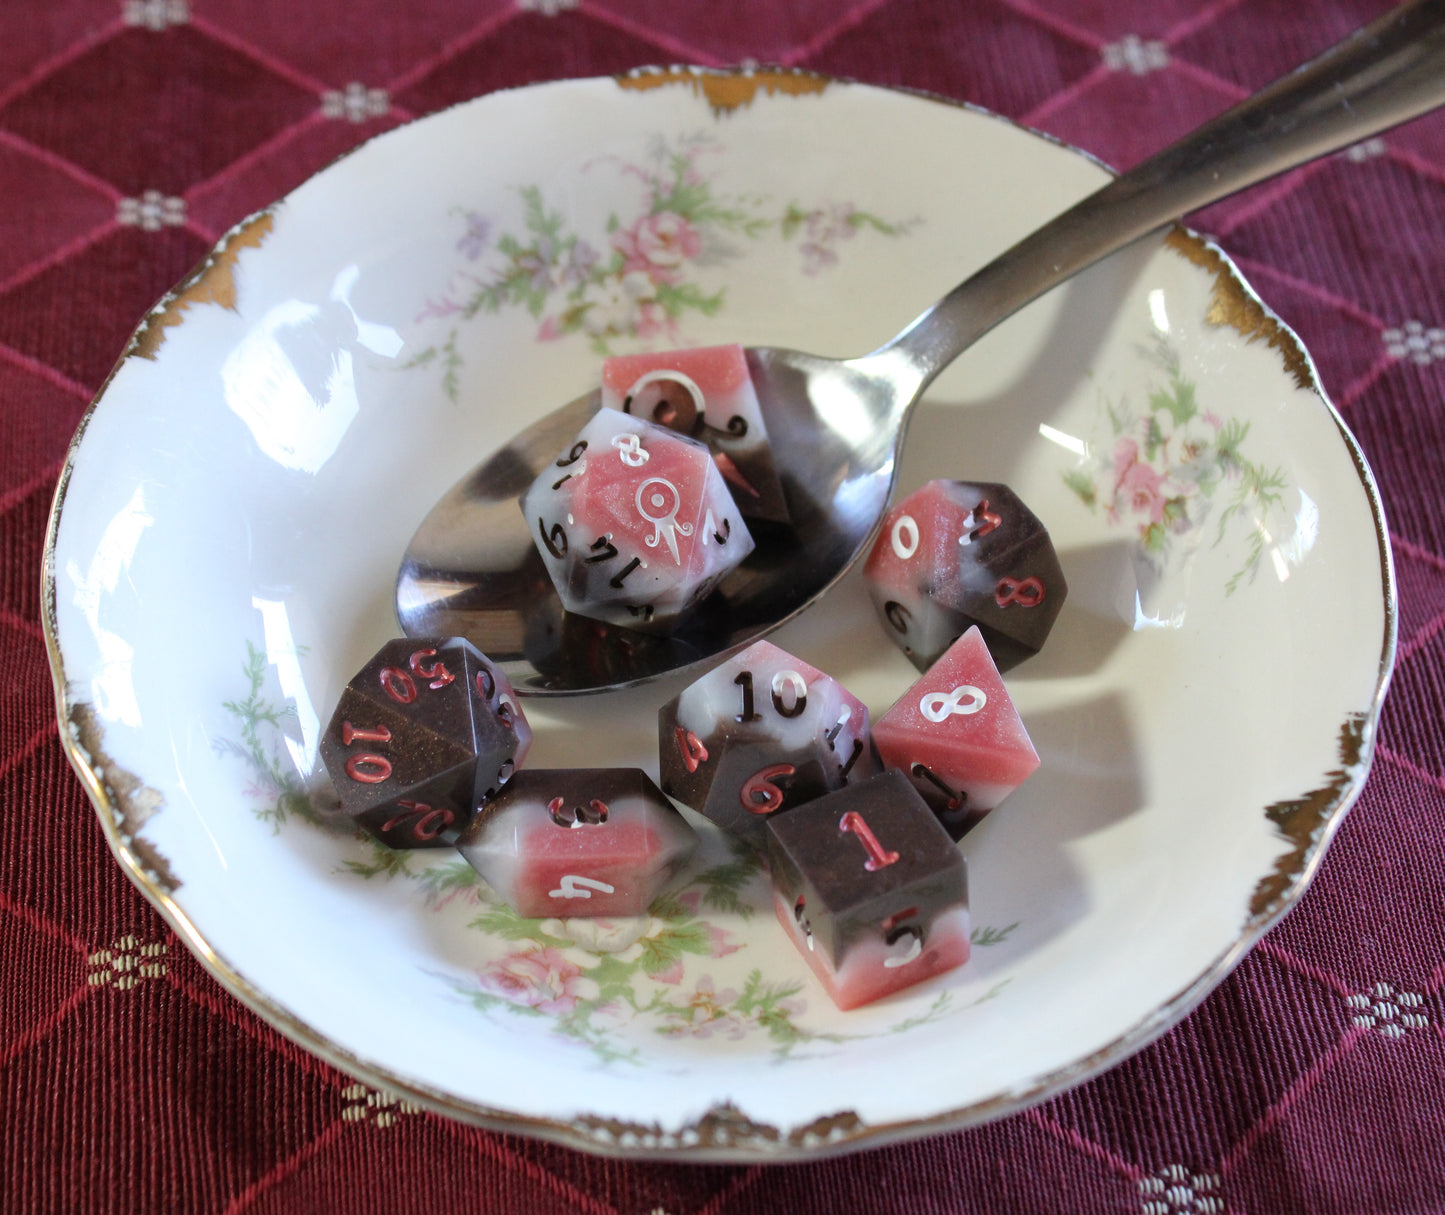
234,507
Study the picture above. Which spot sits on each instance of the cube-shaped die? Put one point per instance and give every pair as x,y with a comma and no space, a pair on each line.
425,731
759,734
870,888
707,394
954,554
561,842
634,523
957,736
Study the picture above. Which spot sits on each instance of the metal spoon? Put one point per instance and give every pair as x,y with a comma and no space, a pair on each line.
472,567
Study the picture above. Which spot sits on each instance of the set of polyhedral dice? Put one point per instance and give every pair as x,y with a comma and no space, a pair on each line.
637,522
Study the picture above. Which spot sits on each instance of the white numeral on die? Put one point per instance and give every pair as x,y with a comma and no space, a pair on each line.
904,536
575,887
937,706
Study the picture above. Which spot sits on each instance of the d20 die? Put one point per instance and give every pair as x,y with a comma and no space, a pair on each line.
957,736
759,734
954,554
870,888
707,394
578,842
425,731
634,523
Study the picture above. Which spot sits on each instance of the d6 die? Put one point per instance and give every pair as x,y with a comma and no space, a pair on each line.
870,889
577,842
634,523
955,554
707,394
758,735
424,732
957,736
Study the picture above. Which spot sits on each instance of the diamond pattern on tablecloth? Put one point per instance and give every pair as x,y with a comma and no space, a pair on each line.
1405,446
258,180
127,110
321,39
108,287
48,208
1174,102
1220,1082
1230,45
1370,1128
531,48
218,1116
22,540
56,970
1341,226
923,44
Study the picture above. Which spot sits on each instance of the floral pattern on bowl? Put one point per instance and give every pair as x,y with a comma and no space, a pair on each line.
649,273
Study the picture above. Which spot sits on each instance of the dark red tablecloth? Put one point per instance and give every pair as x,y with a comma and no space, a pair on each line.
134,132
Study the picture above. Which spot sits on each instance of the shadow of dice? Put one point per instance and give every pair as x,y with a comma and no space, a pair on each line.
560,842
759,734
870,889
426,730
707,394
952,555
957,736
634,523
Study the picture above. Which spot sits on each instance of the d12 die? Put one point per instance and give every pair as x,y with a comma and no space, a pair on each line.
707,394
870,888
758,735
952,555
424,732
578,842
957,736
634,523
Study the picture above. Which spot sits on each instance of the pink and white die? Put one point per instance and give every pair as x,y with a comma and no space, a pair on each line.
707,394
957,736
634,523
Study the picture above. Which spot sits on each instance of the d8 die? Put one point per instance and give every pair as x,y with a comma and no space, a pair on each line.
634,523
952,555
957,736
577,842
758,735
424,732
707,394
870,889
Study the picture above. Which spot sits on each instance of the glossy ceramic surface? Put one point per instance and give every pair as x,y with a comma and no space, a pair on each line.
233,509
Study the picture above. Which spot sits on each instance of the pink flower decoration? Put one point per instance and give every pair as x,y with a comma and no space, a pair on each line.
719,942
658,244
673,974
540,978
1139,485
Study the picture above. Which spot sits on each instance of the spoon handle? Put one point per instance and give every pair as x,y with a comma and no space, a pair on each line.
1384,74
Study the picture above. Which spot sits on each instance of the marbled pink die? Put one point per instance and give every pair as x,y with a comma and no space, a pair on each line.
957,736
953,555
634,523
706,393
424,732
563,842
759,734
871,889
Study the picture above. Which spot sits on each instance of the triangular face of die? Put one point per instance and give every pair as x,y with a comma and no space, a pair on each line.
959,720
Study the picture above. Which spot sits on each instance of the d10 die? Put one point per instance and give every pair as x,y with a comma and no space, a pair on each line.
424,732
952,555
705,393
957,736
578,842
634,523
758,735
871,889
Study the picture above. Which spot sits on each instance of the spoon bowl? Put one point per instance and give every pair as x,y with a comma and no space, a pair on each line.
836,427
